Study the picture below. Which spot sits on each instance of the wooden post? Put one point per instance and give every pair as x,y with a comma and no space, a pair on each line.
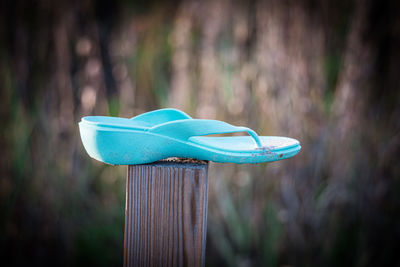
166,214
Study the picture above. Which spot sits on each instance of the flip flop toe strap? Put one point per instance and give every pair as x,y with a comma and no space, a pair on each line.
184,129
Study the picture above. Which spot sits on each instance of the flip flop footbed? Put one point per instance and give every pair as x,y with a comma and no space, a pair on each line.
128,146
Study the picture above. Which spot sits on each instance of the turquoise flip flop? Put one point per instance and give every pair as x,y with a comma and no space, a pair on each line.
167,133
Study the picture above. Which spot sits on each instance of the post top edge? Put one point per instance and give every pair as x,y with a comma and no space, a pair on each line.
178,162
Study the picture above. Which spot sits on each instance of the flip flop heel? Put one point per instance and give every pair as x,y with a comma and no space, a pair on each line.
122,147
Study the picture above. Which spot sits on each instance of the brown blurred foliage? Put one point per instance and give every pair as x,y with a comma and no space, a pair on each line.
323,72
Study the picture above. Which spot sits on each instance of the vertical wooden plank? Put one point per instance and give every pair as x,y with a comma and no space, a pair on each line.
166,214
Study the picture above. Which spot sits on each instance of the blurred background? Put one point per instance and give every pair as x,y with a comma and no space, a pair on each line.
323,72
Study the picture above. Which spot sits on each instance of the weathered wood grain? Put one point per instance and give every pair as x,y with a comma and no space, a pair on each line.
166,214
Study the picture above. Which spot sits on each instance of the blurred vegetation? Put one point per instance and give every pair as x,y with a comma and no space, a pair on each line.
324,72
